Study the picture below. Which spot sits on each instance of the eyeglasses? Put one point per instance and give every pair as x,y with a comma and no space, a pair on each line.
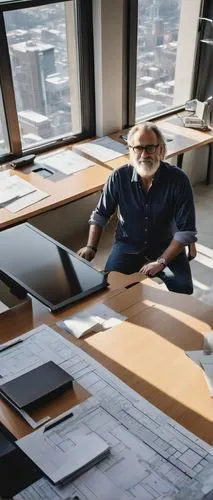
150,148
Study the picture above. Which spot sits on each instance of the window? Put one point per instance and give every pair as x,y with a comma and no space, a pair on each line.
47,69
157,40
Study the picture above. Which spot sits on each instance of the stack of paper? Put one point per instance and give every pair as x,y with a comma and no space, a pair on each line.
204,358
58,463
12,188
16,193
65,162
92,319
103,149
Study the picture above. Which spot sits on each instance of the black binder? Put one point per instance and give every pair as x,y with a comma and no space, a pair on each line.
36,386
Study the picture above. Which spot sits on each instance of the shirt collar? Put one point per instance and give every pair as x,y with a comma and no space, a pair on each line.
156,177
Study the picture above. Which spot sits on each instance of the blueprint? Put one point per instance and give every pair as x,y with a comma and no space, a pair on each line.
152,456
31,350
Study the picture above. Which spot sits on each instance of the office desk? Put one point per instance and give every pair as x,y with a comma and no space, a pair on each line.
183,140
146,352
91,180
73,187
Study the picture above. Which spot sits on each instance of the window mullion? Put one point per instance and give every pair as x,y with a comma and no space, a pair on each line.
86,65
8,94
132,60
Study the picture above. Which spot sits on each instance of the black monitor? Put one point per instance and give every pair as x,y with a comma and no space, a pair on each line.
46,269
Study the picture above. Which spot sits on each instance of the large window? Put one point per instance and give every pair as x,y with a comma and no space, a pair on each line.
44,43
157,41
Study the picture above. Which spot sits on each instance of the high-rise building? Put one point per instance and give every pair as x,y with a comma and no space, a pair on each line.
58,93
158,31
33,62
34,123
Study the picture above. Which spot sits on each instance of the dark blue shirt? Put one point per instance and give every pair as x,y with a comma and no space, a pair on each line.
148,219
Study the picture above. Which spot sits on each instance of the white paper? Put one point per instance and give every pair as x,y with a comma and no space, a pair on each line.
206,359
95,318
208,374
4,174
66,162
103,149
13,187
208,342
26,201
195,356
3,307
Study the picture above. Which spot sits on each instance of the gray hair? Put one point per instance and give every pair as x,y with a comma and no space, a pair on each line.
149,127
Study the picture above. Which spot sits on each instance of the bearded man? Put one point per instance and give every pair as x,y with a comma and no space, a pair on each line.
156,214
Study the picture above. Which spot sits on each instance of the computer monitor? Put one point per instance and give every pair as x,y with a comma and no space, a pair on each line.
46,269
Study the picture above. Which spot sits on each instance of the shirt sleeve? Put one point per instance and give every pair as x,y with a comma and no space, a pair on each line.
108,202
184,212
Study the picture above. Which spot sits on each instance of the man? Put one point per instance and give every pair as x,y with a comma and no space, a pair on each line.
156,214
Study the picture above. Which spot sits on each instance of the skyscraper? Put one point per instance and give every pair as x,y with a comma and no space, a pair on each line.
32,63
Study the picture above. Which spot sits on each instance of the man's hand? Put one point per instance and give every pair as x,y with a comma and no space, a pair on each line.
192,251
86,253
152,268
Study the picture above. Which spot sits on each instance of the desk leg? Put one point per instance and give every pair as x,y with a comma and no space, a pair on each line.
180,160
209,165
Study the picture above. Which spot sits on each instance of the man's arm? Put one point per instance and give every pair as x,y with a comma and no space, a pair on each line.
88,252
100,216
153,268
185,234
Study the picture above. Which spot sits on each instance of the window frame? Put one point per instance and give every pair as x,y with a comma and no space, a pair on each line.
132,10
86,79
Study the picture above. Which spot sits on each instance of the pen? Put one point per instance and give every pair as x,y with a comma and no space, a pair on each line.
10,344
58,421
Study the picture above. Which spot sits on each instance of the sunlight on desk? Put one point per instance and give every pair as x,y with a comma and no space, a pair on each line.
185,319
148,352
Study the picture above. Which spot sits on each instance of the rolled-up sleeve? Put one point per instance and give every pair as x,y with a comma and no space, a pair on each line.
184,212
185,237
108,202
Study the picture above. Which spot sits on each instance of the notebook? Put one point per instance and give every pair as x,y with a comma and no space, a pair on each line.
36,386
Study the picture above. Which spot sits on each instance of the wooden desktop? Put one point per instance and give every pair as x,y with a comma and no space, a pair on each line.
146,351
73,187
183,140
92,179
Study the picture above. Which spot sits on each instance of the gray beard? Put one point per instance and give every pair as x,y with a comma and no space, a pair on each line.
146,170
